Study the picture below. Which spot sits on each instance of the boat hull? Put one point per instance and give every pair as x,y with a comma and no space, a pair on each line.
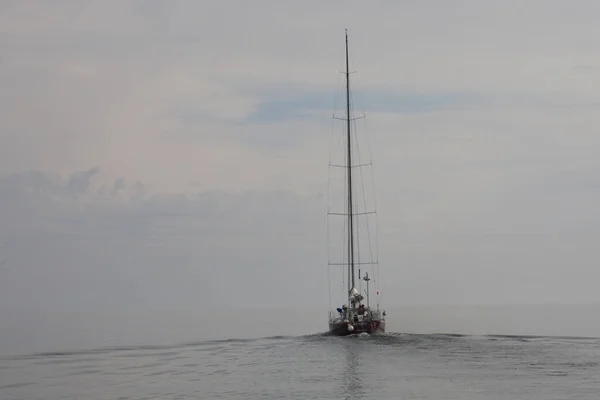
343,328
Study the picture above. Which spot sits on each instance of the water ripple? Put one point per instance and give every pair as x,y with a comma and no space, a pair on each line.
320,366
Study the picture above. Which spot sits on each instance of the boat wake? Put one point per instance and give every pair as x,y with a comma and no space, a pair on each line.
387,337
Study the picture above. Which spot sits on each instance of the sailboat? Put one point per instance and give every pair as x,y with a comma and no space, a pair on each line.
355,315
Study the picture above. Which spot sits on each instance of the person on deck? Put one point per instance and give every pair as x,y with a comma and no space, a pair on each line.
361,309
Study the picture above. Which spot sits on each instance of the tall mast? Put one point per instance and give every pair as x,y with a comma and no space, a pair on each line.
350,209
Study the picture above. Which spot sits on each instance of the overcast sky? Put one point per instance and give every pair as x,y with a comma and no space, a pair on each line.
174,153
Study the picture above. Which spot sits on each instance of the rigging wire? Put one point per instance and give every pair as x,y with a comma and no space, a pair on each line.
332,151
374,260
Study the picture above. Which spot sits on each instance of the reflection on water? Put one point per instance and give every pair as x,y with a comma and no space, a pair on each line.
353,387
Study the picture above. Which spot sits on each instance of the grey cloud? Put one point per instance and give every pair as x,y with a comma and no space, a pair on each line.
118,185
164,250
213,249
80,181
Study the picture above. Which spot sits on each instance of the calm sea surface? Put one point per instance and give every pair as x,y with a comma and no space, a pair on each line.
394,366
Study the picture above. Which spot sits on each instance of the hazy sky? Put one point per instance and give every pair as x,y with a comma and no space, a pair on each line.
174,153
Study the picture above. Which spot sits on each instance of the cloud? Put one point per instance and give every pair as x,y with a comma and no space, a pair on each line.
195,90
80,181
138,251
484,147
160,250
